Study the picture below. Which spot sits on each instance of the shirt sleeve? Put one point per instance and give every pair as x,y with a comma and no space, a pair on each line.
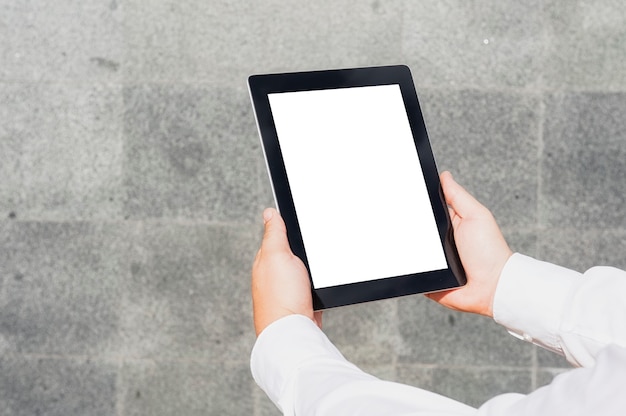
303,373
596,390
570,313
578,315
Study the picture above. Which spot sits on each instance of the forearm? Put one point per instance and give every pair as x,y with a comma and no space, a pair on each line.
565,311
281,350
595,390
304,374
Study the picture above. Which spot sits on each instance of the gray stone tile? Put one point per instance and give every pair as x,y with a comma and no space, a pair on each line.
267,197
331,34
432,334
225,42
471,386
63,287
382,371
477,44
582,249
583,167
422,377
189,41
62,146
546,376
585,45
186,388
547,358
10,152
39,386
188,296
489,141
7,252
366,334
64,40
17,118
522,241
191,152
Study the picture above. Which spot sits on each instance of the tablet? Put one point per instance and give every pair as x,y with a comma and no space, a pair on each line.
355,180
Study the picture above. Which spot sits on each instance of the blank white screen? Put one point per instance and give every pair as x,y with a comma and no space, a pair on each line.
357,185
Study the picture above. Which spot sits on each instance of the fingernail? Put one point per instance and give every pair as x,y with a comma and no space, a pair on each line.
267,214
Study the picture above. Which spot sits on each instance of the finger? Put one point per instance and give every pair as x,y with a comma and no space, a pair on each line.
317,318
447,298
275,237
461,201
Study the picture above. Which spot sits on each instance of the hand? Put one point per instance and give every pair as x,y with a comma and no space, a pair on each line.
280,281
482,249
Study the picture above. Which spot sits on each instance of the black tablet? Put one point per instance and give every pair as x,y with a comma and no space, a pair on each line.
355,180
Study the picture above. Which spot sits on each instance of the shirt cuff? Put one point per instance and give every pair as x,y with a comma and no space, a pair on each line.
281,349
531,297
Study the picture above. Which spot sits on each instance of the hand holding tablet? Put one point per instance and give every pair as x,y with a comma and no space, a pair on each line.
355,180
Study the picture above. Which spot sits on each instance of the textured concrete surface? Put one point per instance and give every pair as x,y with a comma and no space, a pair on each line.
133,181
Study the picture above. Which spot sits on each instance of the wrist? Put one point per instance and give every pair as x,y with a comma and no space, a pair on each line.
264,317
499,269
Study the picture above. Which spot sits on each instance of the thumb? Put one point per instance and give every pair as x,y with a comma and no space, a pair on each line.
461,201
275,236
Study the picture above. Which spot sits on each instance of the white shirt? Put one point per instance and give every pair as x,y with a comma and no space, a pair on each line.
582,316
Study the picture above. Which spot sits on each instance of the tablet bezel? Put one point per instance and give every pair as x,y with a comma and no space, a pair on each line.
393,286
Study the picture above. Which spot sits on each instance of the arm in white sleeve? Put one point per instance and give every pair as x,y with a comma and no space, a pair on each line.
570,313
304,374
595,390
578,315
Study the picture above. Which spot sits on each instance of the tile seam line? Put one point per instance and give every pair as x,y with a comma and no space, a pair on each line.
129,359
120,399
511,90
121,359
135,222
465,367
578,229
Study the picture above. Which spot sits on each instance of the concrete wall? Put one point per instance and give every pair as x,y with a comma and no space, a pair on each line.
132,184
